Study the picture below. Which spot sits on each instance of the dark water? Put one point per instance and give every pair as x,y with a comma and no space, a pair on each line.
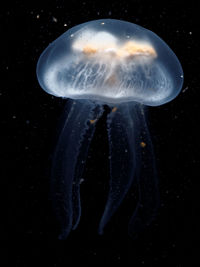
32,126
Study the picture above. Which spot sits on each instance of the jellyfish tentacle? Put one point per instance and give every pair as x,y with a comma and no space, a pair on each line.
147,181
78,176
122,160
65,181
83,151
131,159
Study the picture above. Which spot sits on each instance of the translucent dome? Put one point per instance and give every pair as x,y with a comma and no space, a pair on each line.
112,61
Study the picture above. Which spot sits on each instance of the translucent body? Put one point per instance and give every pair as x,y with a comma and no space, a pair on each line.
89,61
126,67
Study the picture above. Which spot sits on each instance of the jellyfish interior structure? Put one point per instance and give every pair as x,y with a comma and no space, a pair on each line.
127,67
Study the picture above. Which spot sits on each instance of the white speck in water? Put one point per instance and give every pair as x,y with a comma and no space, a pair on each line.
185,89
55,19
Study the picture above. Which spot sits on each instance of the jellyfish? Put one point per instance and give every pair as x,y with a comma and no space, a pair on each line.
128,68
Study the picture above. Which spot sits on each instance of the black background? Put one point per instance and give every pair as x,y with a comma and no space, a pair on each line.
31,126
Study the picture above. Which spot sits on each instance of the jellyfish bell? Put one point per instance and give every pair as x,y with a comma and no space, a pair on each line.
122,65
112,61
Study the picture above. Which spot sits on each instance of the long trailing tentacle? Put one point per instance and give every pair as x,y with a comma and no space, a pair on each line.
122,160
147,181
81,160
67,165
131,158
